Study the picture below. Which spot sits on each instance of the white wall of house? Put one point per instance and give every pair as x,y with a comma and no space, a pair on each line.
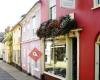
30,40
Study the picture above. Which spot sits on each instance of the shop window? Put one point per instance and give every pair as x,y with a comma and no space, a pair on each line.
52,9
55,56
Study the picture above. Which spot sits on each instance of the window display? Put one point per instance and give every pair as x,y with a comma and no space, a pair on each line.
55,58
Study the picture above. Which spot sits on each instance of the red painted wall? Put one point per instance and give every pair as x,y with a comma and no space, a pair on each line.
87,19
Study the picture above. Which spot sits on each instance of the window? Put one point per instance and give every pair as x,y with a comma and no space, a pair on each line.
36,22
34,25
55,59
96,2
52,9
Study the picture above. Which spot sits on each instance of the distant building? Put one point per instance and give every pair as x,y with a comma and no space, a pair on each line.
1,45
7,56
1,50
16,47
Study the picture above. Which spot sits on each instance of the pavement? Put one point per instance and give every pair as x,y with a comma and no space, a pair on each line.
8,72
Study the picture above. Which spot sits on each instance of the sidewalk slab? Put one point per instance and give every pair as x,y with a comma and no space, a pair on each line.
15,73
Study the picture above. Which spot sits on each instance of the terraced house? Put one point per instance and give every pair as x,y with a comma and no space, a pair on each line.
60,40
30,41
70,34
7,55
16,57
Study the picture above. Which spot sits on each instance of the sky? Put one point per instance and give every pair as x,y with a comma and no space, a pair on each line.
12,10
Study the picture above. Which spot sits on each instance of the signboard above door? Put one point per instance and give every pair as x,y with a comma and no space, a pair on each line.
67,4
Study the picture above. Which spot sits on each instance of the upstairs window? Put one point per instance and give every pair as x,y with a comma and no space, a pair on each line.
34,25
96,3
52,9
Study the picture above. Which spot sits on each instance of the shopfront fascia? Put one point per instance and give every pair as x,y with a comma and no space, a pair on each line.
61,56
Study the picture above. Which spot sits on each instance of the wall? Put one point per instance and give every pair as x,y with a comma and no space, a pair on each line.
89,20
30,41
16,45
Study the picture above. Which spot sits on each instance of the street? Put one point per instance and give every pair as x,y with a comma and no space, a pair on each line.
8,72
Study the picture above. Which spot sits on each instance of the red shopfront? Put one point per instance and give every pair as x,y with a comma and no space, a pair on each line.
87,17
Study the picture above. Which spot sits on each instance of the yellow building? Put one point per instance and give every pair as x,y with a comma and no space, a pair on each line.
16,30
7,57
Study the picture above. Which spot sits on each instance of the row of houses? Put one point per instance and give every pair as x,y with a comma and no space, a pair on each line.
57,40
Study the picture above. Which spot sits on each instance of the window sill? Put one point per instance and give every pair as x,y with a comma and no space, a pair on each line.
95,7
55,76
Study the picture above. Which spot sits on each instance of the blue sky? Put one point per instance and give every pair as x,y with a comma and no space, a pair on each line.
12,10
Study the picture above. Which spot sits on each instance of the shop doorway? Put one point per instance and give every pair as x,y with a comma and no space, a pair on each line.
74,58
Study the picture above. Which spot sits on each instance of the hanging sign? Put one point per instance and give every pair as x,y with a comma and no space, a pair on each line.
68,3
35,54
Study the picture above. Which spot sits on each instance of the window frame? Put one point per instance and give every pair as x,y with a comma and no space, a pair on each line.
55,46
70,35
96,4
51,6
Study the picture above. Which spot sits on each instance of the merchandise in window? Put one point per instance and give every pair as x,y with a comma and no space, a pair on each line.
55,62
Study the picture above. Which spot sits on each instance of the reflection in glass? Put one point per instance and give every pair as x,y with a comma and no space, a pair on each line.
55,59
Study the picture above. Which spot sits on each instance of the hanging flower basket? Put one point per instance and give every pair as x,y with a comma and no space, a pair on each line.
52,28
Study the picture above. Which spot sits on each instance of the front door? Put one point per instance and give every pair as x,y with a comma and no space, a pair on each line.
74,58
97,62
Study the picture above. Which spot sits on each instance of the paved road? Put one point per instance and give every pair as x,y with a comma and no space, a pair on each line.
8,72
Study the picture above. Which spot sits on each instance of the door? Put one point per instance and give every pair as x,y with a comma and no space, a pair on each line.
97,62
74,58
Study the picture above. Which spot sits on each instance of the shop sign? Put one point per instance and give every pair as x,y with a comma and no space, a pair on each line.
67,3
35,54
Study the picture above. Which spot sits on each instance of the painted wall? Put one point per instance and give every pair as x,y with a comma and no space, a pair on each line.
89,20
16,44
30,40
8,47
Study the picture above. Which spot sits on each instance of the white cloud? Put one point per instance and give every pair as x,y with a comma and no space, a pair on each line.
11,11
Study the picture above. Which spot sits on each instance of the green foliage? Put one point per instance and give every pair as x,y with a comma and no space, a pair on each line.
52,28
8,38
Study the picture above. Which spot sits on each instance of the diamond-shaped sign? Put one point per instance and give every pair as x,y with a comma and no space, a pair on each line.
35,54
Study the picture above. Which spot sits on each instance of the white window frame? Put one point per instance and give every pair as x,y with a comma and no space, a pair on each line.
96,4
70,35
